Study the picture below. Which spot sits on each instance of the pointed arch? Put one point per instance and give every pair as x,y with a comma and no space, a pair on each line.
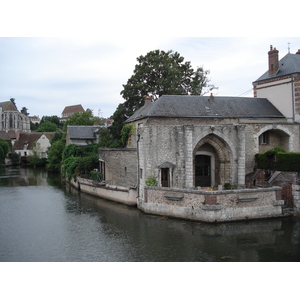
222,160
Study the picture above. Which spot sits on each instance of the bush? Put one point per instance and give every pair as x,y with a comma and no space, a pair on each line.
279,160
151,181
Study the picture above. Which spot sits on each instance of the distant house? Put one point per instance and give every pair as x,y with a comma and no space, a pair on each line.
82,135
31,143
35,119
281,84
70,110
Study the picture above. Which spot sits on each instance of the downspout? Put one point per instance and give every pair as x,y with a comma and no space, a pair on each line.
293,99
138,166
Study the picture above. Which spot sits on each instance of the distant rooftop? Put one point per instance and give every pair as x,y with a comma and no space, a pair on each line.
72,109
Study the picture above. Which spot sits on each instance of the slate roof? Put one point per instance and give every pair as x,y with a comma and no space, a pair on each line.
289,64
82,132
202,106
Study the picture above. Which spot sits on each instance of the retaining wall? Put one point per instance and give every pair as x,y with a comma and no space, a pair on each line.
213,206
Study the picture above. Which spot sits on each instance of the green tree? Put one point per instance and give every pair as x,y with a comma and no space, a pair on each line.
4,145
47,127
55,155
52,119
24,111
163,73
81,118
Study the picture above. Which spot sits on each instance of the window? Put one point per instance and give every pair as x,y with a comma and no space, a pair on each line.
263,139
102,169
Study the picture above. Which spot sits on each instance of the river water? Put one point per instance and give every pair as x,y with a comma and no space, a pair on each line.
44,220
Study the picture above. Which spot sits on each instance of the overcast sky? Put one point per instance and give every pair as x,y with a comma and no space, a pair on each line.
89,67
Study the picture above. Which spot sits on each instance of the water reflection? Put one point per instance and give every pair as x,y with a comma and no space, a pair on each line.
42,219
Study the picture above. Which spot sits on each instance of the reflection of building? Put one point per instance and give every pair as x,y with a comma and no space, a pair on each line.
70,110
11,119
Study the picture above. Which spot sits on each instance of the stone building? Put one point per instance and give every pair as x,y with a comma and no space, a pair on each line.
192,141
11,119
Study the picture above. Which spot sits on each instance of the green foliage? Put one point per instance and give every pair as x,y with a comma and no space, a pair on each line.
4,148
96,176
55,152
47,127
70,150
229,186
279,160
14,157
79,166
2,155
151,181
126,132
81,118
163,73
34,160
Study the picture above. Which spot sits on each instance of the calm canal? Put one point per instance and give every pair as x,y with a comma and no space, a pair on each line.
42,220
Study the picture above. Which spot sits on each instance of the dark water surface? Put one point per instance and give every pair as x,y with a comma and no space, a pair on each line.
43,220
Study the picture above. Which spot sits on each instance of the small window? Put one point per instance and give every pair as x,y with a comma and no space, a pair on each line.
263,139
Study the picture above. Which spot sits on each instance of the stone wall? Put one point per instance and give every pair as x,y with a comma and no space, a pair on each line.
214,206
235,145
120,166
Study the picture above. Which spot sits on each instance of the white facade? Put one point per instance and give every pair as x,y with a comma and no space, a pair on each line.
281,93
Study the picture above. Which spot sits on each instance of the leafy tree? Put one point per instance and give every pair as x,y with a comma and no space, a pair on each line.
55,155
52,119
13,100
47,127
81,118
24,111
2,156
163,73
119,117
4,145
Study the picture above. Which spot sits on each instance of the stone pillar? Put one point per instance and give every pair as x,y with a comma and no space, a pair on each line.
189,175
296,195
241,155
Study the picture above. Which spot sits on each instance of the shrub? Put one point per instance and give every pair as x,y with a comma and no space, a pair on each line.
151,181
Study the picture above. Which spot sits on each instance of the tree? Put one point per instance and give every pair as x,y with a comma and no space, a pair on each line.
81,118
24,111
163,73
55,155
47,127
4,149
13,100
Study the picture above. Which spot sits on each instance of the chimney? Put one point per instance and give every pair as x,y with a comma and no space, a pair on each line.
148,100
211,98
273,61
298,52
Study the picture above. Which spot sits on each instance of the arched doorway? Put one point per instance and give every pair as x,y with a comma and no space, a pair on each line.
203,170
212,162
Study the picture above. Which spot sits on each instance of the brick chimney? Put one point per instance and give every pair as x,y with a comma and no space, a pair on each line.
273,61
298,52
